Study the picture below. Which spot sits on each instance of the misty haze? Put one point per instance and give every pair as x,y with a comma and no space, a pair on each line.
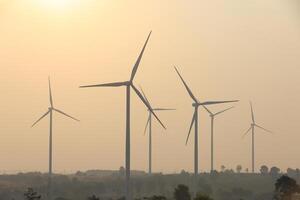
157,100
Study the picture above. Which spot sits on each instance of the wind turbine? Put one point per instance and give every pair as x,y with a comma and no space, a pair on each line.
212,118
129,84
50,111
252,127
149,126
196,105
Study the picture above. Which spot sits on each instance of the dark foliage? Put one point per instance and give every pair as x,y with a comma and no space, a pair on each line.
30,194
285,188
182,193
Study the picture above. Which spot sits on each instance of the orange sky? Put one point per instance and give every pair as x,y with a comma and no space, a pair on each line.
225,49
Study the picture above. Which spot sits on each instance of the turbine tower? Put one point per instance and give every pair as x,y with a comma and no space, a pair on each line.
196,105
252,128
149,126
129,84
50,111
212,118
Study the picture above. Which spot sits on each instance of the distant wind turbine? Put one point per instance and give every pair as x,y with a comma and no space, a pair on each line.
196,105
129,84
212,118
50,113
252,127
149,125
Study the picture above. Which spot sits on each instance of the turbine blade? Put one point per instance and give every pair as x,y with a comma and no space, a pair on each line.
137,63
191,126
144,95
247,132
186,86
44,115
148,120
50,93
223,111
216,102
252,113
114,84
61,112
147,105
207,109
163,109
263,128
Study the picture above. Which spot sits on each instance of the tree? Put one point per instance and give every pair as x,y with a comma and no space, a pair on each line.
285,187
297,173
30,194
182,193
202,197
223,168
93,197
122,171
247,170
291,172
239,168
264,170
274,171
183,172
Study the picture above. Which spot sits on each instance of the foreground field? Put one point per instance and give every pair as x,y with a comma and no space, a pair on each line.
110,184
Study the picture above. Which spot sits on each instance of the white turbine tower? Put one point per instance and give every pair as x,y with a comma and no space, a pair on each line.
149,126
212,118
252,128
196,105
129,84
50,113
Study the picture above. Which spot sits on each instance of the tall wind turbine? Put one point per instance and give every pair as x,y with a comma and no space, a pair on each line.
212,118
149,126
129,84
252,128
196,105
50,111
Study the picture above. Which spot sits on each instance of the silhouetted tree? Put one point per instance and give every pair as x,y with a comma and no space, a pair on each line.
223,168
30,194
291,172
122,171
183,172
239,168
182,193
297,173
274,171
285,187
264,170
229,171
246,170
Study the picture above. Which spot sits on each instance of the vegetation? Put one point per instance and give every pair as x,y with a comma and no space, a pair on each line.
104,185
30,194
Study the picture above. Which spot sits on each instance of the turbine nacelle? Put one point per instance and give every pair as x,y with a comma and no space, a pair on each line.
196,105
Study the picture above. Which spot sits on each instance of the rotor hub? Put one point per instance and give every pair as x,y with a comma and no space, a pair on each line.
195,105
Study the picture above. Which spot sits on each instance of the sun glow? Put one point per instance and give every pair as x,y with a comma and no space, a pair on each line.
58,4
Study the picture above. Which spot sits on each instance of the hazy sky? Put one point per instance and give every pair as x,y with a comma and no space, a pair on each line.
225,49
